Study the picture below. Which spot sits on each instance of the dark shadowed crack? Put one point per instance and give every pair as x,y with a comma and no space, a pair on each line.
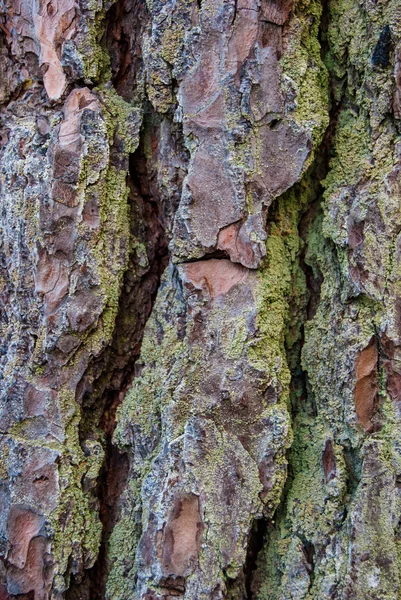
256,542
108,377
126,22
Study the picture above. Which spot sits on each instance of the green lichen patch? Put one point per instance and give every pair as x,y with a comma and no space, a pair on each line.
304,74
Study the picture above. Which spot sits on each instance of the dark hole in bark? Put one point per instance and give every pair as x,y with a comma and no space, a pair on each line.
220,254
255,545
41,478
274,123
309,553
381,53
354,465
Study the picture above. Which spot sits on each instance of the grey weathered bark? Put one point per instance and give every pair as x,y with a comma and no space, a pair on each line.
200,300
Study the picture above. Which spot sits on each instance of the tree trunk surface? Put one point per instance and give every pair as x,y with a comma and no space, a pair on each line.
200,300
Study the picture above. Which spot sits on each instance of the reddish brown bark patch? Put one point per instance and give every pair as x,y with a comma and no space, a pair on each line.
178,545
277,11
51,279
65,193
392,369
23,525
235,241
366,388
3,593
217,276
329,461
30,562
36,575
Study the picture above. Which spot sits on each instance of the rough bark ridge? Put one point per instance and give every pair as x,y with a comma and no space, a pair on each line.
200,300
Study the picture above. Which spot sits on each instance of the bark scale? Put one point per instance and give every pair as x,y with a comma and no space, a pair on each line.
200,314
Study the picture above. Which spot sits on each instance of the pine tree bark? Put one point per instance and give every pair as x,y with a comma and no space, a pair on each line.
200,300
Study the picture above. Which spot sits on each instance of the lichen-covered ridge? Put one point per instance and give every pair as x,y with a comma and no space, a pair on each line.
336,534
206,423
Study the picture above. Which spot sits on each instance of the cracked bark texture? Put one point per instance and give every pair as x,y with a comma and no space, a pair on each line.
200,300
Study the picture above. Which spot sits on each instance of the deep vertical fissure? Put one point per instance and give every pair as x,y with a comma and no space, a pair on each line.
256,541
108,378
